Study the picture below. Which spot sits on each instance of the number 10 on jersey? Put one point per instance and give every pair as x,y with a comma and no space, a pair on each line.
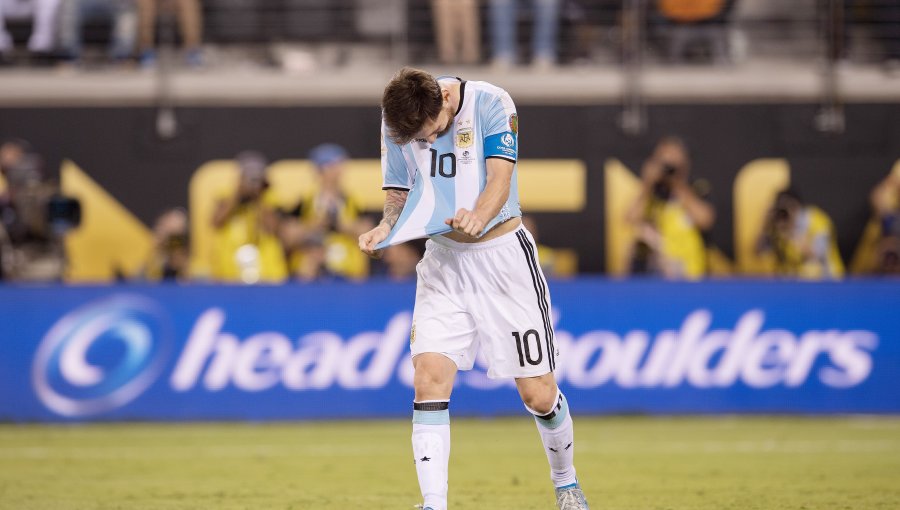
438,164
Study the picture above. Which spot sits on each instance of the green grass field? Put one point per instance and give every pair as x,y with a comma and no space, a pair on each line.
623,463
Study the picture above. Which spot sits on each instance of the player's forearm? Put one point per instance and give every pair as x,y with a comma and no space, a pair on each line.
496,189
394,201
491,200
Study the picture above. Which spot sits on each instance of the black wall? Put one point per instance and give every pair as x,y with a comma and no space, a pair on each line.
119,148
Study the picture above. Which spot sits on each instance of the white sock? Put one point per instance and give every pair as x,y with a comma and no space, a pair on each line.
558,436
431,448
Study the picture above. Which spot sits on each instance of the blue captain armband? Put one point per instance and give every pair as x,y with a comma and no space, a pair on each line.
502,145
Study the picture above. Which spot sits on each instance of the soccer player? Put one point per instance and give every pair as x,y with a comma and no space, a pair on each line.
448,156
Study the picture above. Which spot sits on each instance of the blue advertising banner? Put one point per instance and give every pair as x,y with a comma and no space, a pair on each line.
342,350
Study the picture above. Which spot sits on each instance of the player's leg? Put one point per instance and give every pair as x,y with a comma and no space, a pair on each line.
543,399
442,341
519,344
433,382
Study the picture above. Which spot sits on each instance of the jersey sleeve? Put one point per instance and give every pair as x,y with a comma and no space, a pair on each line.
395,172
500,128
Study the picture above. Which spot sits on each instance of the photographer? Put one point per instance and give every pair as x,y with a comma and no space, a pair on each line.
885,200
801,238
170,259
669,216
320,232
34,217
245,219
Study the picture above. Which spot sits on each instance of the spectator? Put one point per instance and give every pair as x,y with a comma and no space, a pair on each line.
801,238
245,246
686,22
12,159
504,21
589,20
12,153
670,216
887,30
74,13
889,255
885,200
43,13
171,248
320,232
34,217
401,260
27,189
458,30
190,24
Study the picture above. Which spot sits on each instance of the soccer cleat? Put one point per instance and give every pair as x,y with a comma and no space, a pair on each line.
571,497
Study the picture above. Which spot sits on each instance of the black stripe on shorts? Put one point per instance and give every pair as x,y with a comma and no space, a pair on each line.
540,289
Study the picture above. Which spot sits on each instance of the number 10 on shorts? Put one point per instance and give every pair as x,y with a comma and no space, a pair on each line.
523,344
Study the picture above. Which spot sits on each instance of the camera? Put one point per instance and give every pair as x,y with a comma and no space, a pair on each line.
782,214
175,242
662,189
63,213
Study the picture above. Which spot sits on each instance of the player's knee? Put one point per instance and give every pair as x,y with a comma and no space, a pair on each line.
540,399
432,382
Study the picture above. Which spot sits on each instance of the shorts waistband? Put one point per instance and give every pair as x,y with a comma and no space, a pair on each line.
507,238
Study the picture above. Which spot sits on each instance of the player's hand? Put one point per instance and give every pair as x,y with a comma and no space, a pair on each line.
368,240
466,222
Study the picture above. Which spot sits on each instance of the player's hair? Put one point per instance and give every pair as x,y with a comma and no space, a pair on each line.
412,98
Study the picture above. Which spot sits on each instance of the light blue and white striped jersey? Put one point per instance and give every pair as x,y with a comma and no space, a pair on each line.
450,173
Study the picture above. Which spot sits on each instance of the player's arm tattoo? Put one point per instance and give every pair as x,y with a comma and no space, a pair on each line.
393,206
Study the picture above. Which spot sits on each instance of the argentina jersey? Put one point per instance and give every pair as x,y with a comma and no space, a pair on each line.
451,173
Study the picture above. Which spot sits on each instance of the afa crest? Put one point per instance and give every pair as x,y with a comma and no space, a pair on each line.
464,137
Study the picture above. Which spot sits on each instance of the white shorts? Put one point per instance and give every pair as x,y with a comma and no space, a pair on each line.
491,294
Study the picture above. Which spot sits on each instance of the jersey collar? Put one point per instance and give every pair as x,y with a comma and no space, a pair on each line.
462,90
462,96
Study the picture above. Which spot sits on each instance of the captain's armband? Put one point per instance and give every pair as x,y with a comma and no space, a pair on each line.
502,145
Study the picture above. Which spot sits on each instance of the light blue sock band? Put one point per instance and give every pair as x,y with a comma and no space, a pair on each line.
432,417
562,410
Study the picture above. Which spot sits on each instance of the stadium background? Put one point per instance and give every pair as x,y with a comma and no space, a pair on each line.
337,350
146,174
